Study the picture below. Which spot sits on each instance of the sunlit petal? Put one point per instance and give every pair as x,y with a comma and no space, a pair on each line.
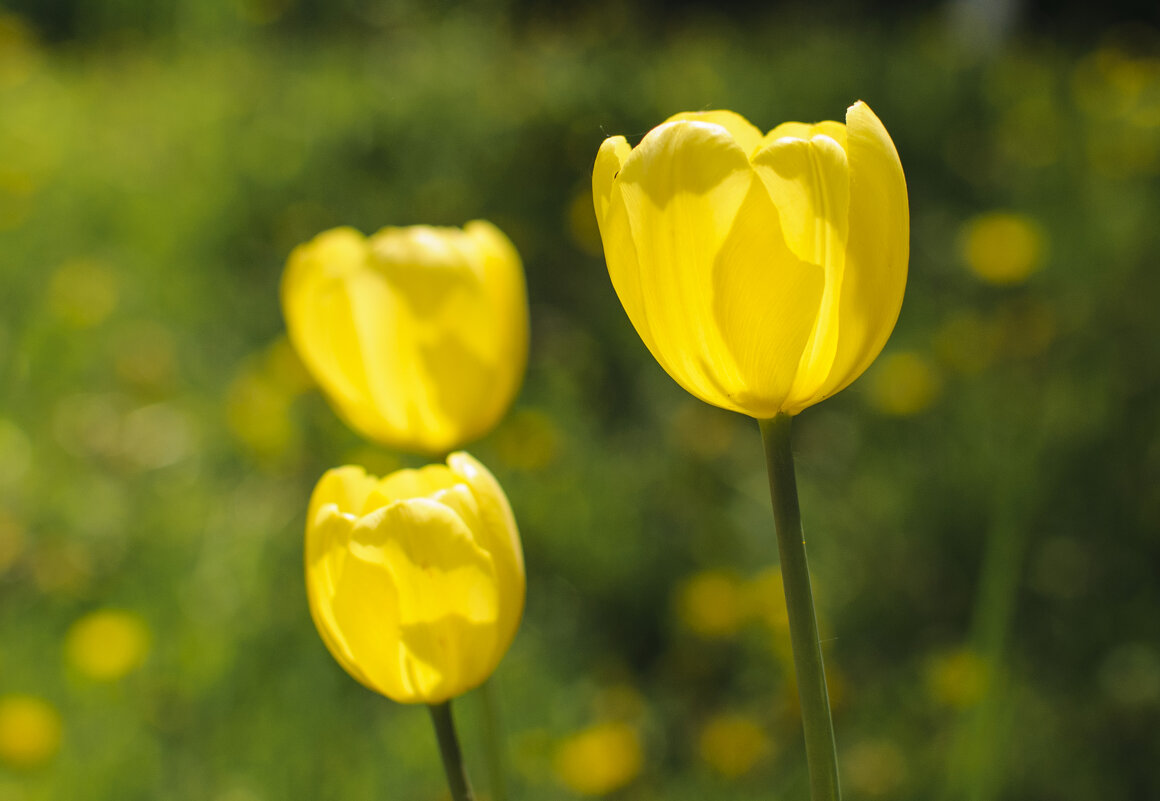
744,133
680,192
417,595
809,182
761,287
417,335
877,252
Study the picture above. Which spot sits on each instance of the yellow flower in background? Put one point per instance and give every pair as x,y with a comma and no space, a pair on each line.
903,384
957,678
712,604
418,336
1002,248
107,645
599,759
416,580
30,731
763,272
732,744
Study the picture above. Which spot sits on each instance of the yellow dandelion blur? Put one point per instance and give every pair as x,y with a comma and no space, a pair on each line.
732,744
30,731
956,679
903,384
107,645
599,759
712,604
1002,247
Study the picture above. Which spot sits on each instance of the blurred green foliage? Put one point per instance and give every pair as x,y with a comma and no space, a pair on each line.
982,508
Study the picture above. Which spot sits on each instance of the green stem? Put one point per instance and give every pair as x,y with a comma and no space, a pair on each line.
493,741
821,750
976,770
449,750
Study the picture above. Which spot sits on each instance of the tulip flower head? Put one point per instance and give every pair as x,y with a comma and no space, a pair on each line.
418,336
416,580
763,272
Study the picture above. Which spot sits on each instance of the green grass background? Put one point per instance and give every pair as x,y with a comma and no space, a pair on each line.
158,162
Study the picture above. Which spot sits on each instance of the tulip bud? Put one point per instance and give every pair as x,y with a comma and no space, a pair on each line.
416,580
763,272
418,336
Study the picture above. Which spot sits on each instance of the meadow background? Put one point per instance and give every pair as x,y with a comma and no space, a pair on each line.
982,508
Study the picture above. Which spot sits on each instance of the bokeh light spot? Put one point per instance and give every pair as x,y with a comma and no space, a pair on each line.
83,293
599,759
876,768
903,384
107,645
732,744
712,604
956,679
1002,248
30,731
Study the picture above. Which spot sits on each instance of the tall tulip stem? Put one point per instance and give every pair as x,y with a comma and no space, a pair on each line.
449,750
821,751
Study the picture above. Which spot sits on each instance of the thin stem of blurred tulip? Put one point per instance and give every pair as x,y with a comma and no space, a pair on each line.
449,750
493,741
821,750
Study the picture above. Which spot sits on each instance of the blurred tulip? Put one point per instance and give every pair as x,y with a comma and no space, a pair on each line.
764,273
416,580
419,336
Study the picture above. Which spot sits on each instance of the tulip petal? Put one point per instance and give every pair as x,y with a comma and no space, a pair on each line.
809,182
353,604
403,484
609,159
448,599
430,339
766,301
804,130
497,533
420,598
341,317
671,209
878,249
744,133
346,487
504,334
317,309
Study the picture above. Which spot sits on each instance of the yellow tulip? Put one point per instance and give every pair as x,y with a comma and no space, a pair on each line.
763,272
416,580
418,336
